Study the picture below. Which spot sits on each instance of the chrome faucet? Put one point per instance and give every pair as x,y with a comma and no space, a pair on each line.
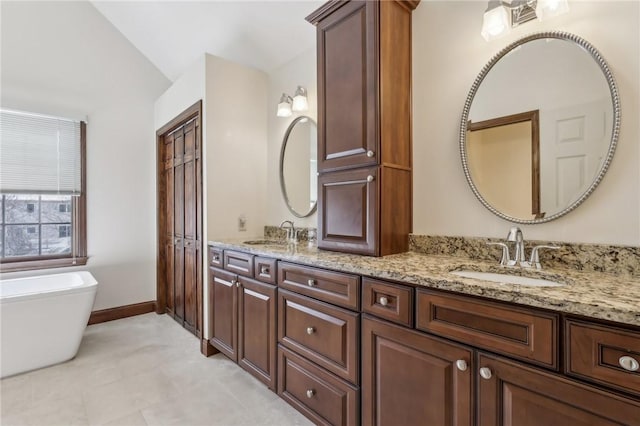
515,236
292,232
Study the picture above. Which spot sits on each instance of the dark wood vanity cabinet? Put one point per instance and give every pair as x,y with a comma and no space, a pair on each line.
411,378
318,343
511,393
364,125
242,317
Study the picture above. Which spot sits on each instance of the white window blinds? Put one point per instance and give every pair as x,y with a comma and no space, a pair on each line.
39,154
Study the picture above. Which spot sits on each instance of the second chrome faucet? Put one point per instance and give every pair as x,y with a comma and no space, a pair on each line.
519,259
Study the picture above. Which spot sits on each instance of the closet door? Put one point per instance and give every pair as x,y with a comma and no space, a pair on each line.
190,232
178,223
180,207
168,234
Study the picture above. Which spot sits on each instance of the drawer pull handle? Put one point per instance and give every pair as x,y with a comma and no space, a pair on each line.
264,269
311,283
461,364
383,301
628,363
311,330
216,258
310,393
485,373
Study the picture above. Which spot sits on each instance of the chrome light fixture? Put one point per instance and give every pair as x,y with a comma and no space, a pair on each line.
501,16
300,102
284,106
550,8
496,20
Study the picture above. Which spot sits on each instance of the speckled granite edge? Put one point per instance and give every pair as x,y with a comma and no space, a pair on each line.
618,260
591,294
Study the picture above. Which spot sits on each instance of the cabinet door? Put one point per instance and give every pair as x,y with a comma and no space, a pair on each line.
348,208
223,312
347,87
257,330
410,378
517,395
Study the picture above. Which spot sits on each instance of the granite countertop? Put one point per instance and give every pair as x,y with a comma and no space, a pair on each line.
591,294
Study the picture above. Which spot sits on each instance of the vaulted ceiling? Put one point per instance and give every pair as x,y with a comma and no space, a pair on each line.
173,34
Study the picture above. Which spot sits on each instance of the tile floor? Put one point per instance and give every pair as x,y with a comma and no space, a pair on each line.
144,370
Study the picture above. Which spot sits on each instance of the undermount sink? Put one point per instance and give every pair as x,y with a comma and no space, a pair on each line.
507,279
265,242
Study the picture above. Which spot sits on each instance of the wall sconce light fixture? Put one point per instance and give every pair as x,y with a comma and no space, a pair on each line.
501,16
284,106
298,103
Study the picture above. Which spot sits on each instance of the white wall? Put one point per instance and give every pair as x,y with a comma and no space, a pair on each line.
448,53
301,70
64,58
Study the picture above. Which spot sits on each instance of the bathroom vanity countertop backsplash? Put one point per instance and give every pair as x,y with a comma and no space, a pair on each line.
592,294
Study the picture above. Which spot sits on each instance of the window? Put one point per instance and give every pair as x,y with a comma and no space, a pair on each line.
42,192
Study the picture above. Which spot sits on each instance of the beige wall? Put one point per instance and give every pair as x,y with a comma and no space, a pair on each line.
65,58
448,53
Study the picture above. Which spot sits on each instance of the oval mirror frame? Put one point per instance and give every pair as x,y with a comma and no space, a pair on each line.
283,188
615,131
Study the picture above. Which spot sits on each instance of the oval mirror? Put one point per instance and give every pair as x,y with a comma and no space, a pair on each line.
539,127
299,167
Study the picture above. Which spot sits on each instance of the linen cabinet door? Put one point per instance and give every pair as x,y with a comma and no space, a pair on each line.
257,330
510,393
410,378
347,87
348,211
223,312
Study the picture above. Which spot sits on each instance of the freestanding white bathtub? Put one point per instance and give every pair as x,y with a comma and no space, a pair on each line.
43,319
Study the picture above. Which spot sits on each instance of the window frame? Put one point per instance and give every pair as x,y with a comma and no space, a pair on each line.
79,225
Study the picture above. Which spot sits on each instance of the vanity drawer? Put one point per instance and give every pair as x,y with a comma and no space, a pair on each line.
240,263
388,301
265,269
316,393
594,352
215,256
333,287
323,333
522,333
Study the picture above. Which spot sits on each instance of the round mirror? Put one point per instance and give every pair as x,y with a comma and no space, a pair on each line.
539,127
299,167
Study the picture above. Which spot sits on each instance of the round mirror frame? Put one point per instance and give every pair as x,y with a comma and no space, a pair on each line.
283,188
615,131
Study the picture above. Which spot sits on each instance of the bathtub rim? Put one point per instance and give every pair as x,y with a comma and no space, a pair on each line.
89,283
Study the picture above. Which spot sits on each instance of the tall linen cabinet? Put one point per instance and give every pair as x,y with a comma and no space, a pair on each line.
364,126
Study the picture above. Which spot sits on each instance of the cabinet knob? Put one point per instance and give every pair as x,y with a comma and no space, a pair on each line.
311,283
370,153
370,178
216,258
485,373
311,330
310,393
237,283
383,301
461,364
629,363
264,269
176,241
